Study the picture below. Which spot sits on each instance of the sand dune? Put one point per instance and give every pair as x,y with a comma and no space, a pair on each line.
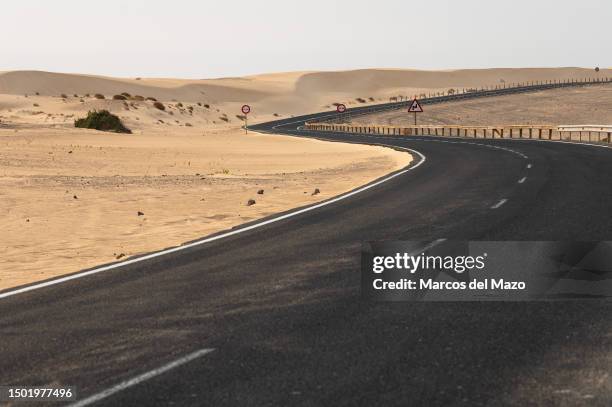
286,93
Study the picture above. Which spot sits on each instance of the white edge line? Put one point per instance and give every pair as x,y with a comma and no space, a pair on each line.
499,204
141,378
522,180
529,166
220,236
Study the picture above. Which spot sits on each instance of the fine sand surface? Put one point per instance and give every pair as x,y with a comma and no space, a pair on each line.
70,198
73,198
570,106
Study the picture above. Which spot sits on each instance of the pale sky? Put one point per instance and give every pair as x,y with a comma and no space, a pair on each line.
204,39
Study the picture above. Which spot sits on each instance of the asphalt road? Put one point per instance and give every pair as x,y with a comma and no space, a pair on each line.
280,304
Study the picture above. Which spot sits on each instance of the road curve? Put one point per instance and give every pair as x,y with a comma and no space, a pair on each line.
280,303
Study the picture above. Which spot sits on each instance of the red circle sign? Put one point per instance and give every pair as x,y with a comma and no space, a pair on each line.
341,108
246,109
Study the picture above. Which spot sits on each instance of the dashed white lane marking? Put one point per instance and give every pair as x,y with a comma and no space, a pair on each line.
522,180
219,236
499,204
139,379
529,166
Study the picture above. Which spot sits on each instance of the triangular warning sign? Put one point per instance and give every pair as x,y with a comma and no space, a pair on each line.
415,107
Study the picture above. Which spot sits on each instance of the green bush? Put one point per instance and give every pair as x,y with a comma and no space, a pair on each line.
102,120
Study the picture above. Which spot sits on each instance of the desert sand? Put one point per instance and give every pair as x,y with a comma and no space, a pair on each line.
72,199
570,106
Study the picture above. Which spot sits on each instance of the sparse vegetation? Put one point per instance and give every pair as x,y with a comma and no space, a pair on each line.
64,96
241,117
225,119
119,97
179,104
207,106
159,105
360,100
99,96
127,95
151,99
138,98
102,120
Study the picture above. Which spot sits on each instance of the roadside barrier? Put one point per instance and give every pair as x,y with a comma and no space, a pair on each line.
590,133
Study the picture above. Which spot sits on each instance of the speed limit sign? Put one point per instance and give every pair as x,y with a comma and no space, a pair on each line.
340,108
246,109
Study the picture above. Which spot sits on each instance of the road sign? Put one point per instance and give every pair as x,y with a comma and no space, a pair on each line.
246,109
340,108
415,107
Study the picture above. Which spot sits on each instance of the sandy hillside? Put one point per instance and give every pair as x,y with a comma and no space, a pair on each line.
70,198
571,106
283,93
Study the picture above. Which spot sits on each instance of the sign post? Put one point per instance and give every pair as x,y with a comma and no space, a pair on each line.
340,108
246,109
415,107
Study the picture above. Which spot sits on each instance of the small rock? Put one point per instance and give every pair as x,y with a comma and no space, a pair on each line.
140,213
70,152
251,202
120,255
75,197
316,191
260,192
27,220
